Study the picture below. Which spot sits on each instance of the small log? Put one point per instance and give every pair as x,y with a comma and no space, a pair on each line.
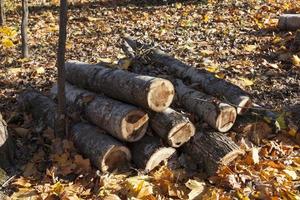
149,152
6,146
213,149
123,121
173,127
206,80
104,151
217,114
289,22
148,92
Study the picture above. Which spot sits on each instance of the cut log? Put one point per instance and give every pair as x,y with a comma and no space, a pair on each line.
149,152
206,80
123,121
173,127
148,92
104,151
6,146
217,114
213,149
42,108
289,22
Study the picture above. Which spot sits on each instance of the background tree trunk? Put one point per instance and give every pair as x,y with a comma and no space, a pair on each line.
6,146
2,13
24,27
61,115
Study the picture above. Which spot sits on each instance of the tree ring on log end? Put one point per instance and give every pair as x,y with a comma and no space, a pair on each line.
160,155
134,125
226,118
160,96
243,106
180,134
231,156
116,157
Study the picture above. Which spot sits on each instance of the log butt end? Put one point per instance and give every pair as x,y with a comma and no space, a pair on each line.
160,155
117,157
180,134
134,125
244,104
161,94
226,118
231,156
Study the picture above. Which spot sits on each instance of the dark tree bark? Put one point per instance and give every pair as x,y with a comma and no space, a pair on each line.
61,117
213,149
207,81
24,27
2,13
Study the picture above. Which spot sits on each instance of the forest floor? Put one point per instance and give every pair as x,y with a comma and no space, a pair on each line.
237,40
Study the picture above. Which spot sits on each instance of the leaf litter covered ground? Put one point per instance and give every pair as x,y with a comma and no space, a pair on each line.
237,40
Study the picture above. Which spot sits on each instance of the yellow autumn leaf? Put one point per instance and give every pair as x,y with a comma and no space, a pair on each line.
58,188
206,52
291,173
212,69
178,5
14,70
292,132
246,81
250,48
7,43
296,60
205,18
7,31
40,70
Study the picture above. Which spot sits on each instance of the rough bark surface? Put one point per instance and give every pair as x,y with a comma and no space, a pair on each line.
104,151
24,27
149,152
2,13
207,81
213,149
6,146
121,120
148,92
217,114
42,108
173,127
289,22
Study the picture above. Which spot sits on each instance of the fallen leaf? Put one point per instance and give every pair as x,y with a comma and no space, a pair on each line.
296,60
246,81
196,188
291,173
22,182
40,70
250,48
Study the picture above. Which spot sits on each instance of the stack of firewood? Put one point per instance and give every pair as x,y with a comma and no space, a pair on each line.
119,116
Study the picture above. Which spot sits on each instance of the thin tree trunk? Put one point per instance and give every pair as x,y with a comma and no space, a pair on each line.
216,113
146,91
2,13
6,146
24,27
208,82
213,149
61,117
123,121
173,127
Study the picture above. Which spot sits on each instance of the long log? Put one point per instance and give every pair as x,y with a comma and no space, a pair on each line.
88,139
149,152
217,114
173,127
289,22
121,120
148,92
104,151
213,149
206,80
6,146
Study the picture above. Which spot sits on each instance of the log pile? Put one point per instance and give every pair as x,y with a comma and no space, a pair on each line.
128,118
